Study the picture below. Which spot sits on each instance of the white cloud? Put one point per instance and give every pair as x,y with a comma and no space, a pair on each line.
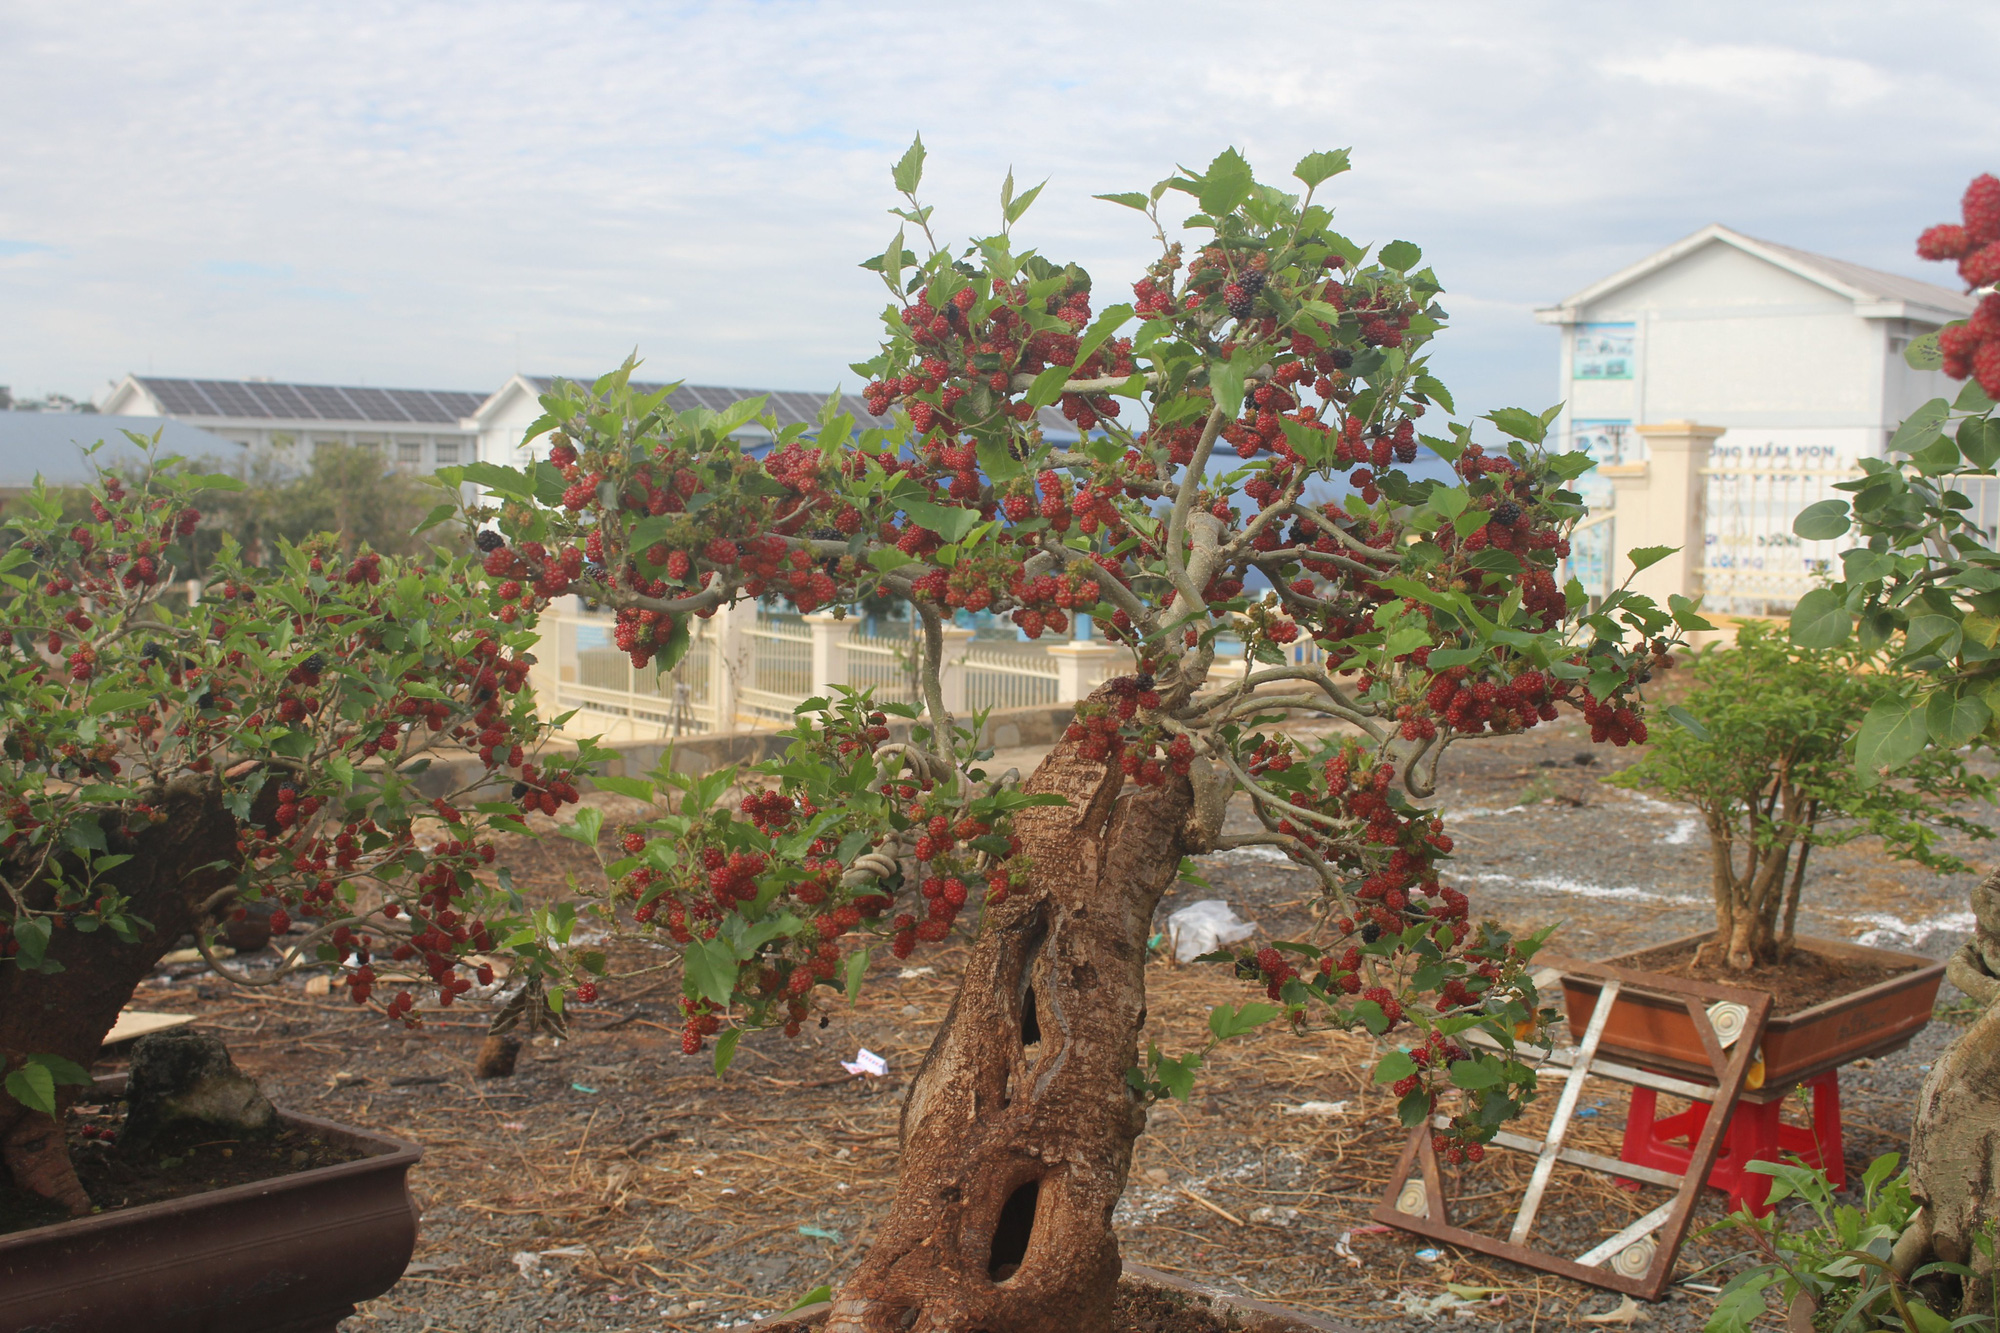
1773,75
413,192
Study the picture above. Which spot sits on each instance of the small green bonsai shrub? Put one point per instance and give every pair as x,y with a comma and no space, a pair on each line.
1765,753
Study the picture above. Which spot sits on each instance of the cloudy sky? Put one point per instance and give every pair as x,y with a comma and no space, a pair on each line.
436,195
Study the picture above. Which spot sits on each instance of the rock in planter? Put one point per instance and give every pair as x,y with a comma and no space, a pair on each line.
186,1078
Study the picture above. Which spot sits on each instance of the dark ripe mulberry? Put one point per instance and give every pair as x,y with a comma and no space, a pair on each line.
520,790
1252,281
489,541
314,664
1370,933
1237,301
1506,513
152,652
1342,358
1247,969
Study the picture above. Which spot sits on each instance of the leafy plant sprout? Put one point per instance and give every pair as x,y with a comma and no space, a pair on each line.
1410,613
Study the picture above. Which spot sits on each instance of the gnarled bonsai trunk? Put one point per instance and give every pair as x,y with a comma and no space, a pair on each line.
1955,1144
1018,1128
1756,908
174,868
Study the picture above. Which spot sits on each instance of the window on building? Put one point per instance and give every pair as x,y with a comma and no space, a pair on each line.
1603,352
409,453
447,452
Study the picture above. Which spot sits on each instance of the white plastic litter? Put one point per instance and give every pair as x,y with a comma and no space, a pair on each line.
866,1062
1317,1108
1204,927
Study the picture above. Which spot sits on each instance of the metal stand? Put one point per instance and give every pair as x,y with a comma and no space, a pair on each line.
1638,1260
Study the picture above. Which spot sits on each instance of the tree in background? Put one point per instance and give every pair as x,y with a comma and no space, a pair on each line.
344,490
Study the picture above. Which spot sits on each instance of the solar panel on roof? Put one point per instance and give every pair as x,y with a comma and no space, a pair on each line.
327,403
204,402
287,401
376,405
234,400
173,397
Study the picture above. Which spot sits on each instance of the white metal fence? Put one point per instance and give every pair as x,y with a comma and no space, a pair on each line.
884,662
781,668
593,677
998,675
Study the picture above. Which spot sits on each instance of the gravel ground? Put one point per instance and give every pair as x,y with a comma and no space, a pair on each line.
614,1184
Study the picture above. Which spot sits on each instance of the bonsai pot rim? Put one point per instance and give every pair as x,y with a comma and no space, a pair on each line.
1654,1049
277,1255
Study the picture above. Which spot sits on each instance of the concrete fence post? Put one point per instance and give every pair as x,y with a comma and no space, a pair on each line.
952,672
1662,502
829,652
1080,667
730,661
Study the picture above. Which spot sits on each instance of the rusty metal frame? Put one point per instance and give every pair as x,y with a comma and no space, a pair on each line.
1669,1222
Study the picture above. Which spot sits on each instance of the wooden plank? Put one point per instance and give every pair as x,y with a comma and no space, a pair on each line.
1563,1061
1538,1183
1595,1161
1646,1225
133,1023
1701,1159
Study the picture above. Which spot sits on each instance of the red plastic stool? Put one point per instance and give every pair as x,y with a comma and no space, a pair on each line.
1755,1134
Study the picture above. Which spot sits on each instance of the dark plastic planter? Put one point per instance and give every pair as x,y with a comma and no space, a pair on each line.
1236,1312
1657,1032
288,1255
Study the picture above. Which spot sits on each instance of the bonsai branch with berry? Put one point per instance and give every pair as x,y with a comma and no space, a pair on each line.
1408,612
163,764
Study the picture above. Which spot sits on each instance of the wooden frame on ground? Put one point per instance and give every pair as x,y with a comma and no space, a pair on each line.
1638,1260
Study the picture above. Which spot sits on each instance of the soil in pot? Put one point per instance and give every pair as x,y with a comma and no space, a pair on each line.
1800,982
181,1162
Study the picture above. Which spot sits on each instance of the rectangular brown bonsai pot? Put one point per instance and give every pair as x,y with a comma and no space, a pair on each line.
292,1254
1656,1031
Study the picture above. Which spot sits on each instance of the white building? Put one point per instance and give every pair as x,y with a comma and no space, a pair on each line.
416,429
1796,359
500,422
1798,356
424,429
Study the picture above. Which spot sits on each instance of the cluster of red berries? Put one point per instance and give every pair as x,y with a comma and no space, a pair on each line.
1972,349
772,811
544,792
1470,706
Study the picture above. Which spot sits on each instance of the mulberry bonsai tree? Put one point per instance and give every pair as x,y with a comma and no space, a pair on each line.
1921,586
164,764
1261,364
